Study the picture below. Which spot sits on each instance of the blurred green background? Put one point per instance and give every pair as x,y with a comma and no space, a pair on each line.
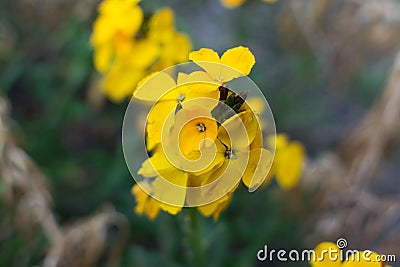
74,135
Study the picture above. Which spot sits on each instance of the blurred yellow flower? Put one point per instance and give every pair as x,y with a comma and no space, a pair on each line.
328,254
113,30
232,3
288,162
237,3
174,46
125,50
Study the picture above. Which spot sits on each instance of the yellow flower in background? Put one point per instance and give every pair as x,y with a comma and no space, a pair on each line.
239,60
322,259
125,51
125,72
114,30
328,254
174,46
236,3
288,162
232,3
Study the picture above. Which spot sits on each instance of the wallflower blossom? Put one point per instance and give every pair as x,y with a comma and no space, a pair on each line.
203,139
359,259
193,141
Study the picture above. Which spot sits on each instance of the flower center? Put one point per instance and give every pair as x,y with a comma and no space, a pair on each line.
230,154
181,98
201,127
219,79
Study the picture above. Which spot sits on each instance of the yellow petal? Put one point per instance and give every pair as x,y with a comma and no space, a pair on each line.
209,60
322,258
182,46
204,54
239,131
281,141
172,192
160,119
152,87
196,76
120,81
144,203
363,259
156,163
257,168
239,58
289,164
215,208
142,54
152,209
161,25
102,58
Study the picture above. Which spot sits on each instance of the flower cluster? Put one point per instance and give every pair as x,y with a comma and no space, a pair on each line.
328,254
128,45
203,138
237,3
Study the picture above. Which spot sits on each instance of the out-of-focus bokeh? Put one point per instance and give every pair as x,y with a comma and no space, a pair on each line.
330,70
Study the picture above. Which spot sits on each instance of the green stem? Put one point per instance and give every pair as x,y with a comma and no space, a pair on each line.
195,236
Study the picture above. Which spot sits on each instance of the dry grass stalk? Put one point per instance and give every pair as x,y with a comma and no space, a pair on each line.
83,244
344,206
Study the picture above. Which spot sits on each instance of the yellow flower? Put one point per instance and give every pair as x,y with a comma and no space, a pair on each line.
232,3
288,162
114,29
327,254
364,259
236,3
166,103
123,55
322,258
235,62
174,46
144,203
